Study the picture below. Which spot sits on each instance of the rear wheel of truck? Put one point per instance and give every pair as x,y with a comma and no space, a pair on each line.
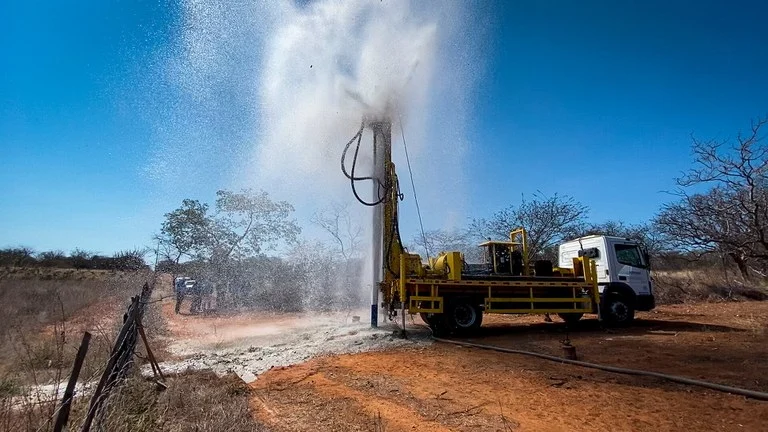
463,317
571,317
618,310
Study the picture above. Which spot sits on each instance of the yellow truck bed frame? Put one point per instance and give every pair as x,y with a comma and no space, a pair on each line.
577,293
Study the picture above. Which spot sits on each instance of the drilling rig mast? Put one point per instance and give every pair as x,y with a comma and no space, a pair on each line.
382,156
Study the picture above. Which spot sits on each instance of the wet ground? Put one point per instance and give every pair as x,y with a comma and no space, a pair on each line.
251,343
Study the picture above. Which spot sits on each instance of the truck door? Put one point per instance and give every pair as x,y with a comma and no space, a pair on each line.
601,264
630,267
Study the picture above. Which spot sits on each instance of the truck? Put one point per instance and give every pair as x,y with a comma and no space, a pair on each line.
623,273
601,275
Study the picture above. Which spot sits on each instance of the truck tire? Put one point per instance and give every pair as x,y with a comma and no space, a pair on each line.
463,317
429,319
571,317
618,310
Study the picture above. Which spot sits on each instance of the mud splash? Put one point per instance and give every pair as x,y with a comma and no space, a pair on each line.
249,346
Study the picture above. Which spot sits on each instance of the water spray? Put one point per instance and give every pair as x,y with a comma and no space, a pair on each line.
320,65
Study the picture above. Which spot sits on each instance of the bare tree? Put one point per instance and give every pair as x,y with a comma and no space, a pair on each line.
336,268
647,233
337,222
447,240
54,258
130,259
17,256
81,258
548,221
731,217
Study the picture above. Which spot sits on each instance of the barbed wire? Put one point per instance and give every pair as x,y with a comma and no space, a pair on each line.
120,362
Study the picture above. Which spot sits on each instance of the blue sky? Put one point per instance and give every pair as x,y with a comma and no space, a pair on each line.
597,100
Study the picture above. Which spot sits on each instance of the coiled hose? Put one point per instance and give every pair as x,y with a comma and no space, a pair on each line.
637,372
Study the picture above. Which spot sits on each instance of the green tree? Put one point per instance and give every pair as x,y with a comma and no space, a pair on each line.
247,222
185,233
242,225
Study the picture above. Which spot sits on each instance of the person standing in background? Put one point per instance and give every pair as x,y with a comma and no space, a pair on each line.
206,290
180,289
197,297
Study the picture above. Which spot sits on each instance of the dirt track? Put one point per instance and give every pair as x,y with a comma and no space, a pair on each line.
444,387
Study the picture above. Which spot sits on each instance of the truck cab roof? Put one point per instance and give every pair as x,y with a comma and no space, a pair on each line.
594,236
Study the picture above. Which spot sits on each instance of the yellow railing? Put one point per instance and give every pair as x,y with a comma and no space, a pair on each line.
432,302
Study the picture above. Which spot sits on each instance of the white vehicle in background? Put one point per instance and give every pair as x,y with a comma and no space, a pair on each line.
183,285
623,269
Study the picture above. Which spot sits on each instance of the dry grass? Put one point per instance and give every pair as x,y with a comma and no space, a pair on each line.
44,318
49,310
197,401
45,313
708,285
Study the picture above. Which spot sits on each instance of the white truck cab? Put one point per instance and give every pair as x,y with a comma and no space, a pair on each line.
623,270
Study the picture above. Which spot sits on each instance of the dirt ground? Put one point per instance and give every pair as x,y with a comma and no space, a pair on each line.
441,387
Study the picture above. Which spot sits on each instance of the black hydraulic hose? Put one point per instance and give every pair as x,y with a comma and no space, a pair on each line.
358,136
754,394
380,198
351,175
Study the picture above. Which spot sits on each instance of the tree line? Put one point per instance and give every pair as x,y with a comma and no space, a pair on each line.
718,213
21,256
250,246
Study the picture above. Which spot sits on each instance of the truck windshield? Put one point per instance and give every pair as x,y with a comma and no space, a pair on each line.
629,255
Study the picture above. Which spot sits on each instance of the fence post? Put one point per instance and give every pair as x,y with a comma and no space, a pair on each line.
122,352
69,393
130,320
151,356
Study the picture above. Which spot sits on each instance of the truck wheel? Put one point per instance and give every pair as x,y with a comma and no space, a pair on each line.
618,310
571,317
464,317
429,319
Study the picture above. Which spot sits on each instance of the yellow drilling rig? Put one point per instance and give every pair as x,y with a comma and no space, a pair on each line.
451,295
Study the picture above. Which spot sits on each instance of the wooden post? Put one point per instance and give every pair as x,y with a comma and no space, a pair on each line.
150,355
69,393
130,320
